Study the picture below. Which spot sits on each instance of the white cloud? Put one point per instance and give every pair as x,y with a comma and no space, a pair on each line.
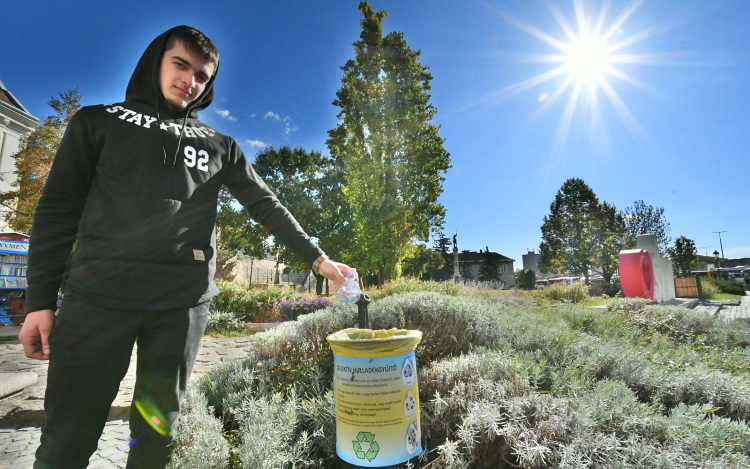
254,143
224,113
253,115
286,120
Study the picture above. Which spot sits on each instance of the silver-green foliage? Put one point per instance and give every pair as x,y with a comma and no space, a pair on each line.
200,442
501,382
221,322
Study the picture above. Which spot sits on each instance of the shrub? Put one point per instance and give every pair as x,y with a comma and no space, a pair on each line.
573,293
611,289
291,309
529,280
732,288
406,285
200,443
506,385
710,289
222,323
244,304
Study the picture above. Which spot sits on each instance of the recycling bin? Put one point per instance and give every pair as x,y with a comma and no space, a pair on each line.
377,397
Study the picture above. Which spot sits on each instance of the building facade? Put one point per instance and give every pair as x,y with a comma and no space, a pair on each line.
16,123
470,265
531,262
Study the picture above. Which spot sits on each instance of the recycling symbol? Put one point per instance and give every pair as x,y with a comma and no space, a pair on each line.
372,451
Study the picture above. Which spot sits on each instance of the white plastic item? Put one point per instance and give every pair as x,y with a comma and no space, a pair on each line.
349,293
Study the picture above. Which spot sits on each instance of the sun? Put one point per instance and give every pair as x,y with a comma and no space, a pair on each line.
587,55
588,60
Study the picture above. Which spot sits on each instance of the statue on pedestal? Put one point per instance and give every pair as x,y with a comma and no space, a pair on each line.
456,274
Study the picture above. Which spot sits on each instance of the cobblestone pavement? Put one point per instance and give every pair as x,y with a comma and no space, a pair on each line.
726,309
21,414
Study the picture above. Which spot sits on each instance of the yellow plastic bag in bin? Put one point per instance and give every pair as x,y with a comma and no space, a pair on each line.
377,397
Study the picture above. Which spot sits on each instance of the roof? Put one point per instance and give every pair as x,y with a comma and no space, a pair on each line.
473,256
7,96
12,108
14,236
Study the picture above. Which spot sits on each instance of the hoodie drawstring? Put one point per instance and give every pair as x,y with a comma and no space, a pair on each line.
179,140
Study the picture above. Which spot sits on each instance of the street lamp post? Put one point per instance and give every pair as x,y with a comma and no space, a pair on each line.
716,257
721,245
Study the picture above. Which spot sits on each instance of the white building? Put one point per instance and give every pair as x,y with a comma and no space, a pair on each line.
16,122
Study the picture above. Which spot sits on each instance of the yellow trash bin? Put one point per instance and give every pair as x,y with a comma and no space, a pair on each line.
377,398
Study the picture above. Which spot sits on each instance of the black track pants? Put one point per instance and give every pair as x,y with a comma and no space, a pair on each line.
90,349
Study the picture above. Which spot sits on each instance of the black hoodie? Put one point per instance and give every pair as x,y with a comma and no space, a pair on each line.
137,185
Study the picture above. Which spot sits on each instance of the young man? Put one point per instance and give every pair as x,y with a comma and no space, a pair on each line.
136,184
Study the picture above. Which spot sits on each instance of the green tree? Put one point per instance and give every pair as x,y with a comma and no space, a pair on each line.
443,271
529,281
236,231
520,277
421,261
684,256
610,239
465,267
34,160
392,156
310,186
490,268
646,219
568,231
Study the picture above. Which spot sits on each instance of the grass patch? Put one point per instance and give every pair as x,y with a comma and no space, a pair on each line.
727,296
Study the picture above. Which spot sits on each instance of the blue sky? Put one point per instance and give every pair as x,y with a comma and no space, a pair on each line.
676,136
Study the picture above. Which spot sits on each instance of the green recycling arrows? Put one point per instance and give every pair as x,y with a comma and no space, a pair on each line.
372,451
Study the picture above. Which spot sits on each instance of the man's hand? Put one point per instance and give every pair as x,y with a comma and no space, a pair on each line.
333,271
35,332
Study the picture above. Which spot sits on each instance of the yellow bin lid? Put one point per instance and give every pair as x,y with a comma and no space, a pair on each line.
368,343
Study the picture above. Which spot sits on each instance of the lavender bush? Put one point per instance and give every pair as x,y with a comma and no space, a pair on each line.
292,309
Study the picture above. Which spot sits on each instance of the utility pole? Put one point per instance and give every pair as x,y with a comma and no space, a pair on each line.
706,248
720,245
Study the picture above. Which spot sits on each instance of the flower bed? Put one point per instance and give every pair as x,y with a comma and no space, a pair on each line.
503,383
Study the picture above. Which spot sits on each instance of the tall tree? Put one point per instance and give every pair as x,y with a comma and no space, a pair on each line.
684,256
441,246
310,186
237,232
490,268
568,231
393,157
646,219
34,160
610,240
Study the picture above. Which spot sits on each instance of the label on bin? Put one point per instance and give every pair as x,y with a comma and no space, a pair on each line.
377,410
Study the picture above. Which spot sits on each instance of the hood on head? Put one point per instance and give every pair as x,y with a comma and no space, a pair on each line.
144,84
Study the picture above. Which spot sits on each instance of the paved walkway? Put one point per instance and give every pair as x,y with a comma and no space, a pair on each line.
21,414
726,309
